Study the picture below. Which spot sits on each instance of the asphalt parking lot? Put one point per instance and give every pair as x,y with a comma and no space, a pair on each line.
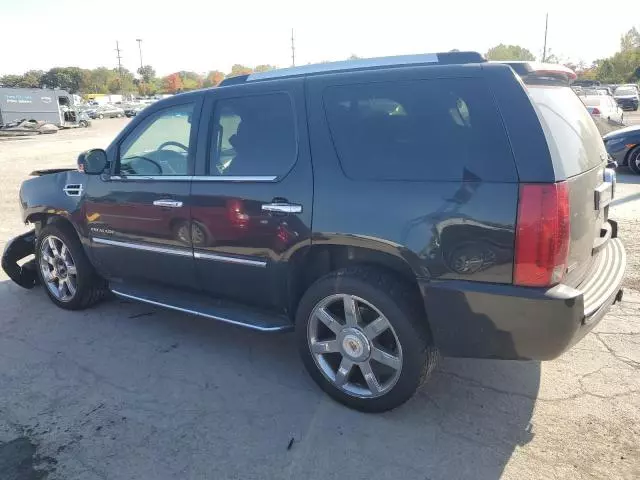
127,391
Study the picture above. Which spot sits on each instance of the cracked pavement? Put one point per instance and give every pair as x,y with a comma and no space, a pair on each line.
127,391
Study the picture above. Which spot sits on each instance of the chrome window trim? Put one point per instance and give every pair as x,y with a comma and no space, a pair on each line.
200,314
231,178
195,178
180,178
226,259
139,246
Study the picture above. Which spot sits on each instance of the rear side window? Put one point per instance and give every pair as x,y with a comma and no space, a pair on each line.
574,141
254,136
443,129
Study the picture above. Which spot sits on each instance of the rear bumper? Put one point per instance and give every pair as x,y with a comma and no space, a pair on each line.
18,248
471,319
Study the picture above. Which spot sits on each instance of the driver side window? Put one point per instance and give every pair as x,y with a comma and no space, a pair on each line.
159,145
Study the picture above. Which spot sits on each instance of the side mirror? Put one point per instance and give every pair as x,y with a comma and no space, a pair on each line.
93,162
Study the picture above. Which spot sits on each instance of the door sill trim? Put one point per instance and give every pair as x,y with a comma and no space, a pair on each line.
201,314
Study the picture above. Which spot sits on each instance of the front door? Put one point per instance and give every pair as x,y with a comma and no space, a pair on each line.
139,216
252,193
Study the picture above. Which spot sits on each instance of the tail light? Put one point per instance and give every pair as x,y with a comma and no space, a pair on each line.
543,231
235,213
595,111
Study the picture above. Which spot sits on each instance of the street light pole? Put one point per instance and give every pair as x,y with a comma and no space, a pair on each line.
139,40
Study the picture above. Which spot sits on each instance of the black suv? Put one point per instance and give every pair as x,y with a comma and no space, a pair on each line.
386,209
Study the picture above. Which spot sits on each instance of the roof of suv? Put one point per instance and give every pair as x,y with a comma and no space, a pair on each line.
445,58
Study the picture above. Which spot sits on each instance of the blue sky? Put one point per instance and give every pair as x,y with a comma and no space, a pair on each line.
207,35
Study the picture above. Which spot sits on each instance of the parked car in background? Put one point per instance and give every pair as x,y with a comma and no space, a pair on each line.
384,209
585,83
108,111
133,110
603,106
627,97
624,147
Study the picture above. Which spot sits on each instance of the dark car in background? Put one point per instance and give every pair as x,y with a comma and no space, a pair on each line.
385,209
627,97
107,111
133,110
624,147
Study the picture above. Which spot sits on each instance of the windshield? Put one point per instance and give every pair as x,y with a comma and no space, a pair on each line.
625,91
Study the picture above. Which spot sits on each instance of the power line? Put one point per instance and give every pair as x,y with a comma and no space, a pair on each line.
293,50
119,63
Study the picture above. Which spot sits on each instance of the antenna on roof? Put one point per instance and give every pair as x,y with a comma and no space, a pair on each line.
293,50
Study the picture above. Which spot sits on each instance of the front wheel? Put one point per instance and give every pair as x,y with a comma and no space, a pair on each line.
64,269
363,338
634,160
101,116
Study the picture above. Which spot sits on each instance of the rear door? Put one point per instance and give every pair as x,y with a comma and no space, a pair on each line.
252,194
579,156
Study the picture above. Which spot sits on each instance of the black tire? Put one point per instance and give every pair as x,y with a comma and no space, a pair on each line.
401,305
90,288
101,116
634,160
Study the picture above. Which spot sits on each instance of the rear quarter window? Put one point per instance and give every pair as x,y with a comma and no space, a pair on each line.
572,136
420,130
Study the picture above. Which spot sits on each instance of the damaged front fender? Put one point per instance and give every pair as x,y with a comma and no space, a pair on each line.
18,248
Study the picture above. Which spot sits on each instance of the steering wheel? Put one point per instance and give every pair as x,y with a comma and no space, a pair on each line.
173,144
153,162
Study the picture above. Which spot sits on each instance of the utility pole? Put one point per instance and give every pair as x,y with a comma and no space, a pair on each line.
139,40
293,50
544,50
119,63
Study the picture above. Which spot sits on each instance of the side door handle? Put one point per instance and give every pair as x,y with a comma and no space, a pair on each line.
282,207
167,203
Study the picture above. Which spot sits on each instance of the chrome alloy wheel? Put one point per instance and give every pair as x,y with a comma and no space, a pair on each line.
58,269
354,346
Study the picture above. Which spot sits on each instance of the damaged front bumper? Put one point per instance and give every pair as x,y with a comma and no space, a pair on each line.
18,248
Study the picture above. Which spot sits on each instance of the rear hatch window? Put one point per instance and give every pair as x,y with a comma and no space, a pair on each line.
574,141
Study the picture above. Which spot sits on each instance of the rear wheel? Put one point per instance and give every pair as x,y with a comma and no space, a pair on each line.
101,116
64,269
363,338
634,160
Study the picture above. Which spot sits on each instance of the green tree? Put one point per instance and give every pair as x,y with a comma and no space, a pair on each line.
509,52
147,73
10,80
630,40
264,68
71,79
238,69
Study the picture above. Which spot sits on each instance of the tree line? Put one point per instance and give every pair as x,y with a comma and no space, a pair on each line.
622,67
112,80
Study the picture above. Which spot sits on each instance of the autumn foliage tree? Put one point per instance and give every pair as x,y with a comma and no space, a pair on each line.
213,79
173,83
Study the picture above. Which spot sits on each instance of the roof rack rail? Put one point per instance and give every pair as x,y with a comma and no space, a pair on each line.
446,58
